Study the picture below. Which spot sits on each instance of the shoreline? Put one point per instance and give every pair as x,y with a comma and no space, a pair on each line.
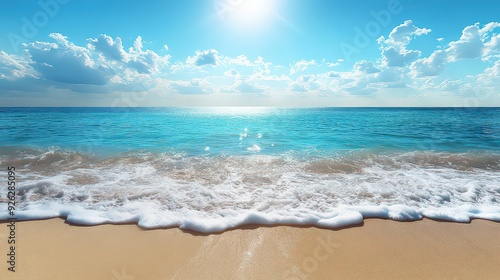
376,249
251,226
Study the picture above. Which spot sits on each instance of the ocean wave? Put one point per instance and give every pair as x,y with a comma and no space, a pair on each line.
216,193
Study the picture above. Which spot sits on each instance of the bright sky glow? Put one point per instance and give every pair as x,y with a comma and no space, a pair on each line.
251,14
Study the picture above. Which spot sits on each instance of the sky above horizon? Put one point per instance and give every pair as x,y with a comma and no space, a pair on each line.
250,53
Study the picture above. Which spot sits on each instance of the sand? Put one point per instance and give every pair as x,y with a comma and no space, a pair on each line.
379,249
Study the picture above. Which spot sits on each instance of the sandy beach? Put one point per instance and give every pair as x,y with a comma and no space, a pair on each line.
379,249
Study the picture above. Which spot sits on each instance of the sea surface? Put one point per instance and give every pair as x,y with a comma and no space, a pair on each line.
212,169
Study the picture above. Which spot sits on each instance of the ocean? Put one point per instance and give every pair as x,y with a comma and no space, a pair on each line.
213,169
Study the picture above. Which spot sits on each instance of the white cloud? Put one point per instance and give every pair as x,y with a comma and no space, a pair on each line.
333,64
14,67
457,87
306,83
366,67
145,61
470,44
394,52
474,43
332,74
111,49
206,57
220,65
403,33
399,57
489,27
301,66
102,66
394,77
430,66
492,48
142,61
232,72
65,62
491,76
240,60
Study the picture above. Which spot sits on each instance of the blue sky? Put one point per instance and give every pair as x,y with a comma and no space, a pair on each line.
250,53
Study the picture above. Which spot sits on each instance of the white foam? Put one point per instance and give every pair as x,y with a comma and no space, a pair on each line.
254,148
213,194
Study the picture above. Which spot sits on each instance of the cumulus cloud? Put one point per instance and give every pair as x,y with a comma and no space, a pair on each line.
492,41
206,57
474,43
367,79
430,66
145,61
103,65
457,87
240,60
111,49
402,34
393,76
399,57
491,76
301,66
393,48
332,74
305,83
333,64
142,61
492,48
65,62
14,67
470,44
221,65
366,67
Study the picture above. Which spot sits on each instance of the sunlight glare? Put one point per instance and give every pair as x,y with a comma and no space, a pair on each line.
252,14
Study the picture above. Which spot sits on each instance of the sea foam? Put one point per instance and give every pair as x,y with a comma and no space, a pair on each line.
217,193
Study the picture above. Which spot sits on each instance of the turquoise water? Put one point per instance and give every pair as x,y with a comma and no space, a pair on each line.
233,131
210,169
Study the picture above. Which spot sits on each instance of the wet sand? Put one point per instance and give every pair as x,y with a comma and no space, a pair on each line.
379,249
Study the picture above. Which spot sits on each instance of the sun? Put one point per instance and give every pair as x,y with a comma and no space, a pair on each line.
251,14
